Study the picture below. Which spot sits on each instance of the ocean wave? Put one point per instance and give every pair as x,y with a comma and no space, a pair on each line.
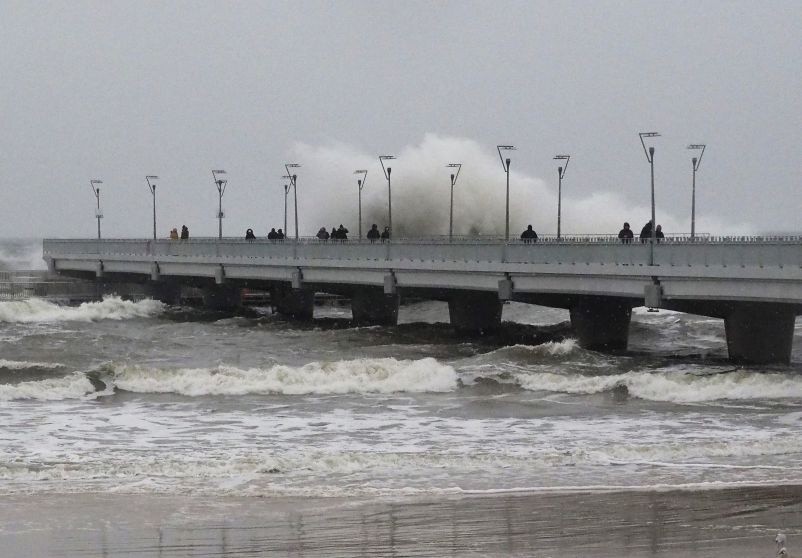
25,365
675,387
384,375
36,310
74,386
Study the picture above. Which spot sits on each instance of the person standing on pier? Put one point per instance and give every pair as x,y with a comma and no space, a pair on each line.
626,235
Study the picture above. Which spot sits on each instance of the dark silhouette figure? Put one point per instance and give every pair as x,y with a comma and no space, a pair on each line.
280,235
385,234
323,234
342,233
626,235
529,235
184,232
658,233
249,235
334,234
272,235
373,233
646,232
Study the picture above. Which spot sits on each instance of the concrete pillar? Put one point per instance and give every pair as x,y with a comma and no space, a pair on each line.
760,333
298,304
224,298
475,313
168,292
601,323
370,306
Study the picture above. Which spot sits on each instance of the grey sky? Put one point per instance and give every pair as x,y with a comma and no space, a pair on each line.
118,90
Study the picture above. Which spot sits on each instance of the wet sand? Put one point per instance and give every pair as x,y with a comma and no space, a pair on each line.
714,523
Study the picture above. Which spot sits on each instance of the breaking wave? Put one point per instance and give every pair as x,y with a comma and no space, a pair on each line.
675,387
36,310
384,375
25,365
74,386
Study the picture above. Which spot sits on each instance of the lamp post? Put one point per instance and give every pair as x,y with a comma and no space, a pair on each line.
360,182
560,174
696,163
152,187
454,177
387,170
96,192
286,192
506,166
294,184
650,157
221,189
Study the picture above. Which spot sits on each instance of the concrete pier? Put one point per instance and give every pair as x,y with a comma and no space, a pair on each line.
760,333
222,297
163,290
474,313
370,306
602,323
298,304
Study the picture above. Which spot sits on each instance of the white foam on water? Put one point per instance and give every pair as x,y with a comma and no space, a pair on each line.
25,365
73,386
676,387
35,310
384,375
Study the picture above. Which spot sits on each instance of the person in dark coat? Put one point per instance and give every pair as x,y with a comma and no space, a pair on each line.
334,234
342,233
658,233
184,232
385,234
272,235
646,232
373,233
323,234
249,235
279,235
626,235
529,235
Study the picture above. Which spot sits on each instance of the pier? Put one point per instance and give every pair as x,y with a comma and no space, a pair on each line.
753,283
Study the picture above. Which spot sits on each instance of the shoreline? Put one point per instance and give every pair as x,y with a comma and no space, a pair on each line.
729,522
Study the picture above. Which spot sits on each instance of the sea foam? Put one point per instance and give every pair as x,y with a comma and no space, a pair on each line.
36,310
74,386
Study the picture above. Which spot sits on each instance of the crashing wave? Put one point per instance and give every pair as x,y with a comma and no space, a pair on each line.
675,387
35,310
74,386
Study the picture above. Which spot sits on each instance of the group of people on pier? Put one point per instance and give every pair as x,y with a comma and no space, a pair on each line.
184,233
626,235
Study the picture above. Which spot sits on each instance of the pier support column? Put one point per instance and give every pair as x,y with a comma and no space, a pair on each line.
760,333
222,297
298,304
601,323
475,313
168,292
370,306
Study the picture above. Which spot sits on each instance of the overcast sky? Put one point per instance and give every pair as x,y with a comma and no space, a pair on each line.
118,90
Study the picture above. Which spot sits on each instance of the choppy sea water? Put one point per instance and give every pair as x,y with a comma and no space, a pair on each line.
117,396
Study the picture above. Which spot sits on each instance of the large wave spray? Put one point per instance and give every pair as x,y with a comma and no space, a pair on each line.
421,194
110,308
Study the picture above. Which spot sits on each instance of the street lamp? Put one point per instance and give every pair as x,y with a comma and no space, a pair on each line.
650,157
286,192
294,183
360,182
382,159
152,187
96,192
696,163
506,165
560,174
454,177
221,189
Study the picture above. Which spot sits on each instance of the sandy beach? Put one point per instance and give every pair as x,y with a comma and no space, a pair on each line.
713,523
